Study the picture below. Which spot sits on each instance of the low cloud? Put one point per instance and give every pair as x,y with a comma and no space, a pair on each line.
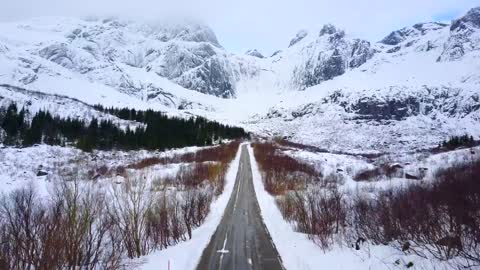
267,25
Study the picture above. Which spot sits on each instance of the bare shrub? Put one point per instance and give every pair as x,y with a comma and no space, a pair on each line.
195,207
441,218
384,169
282,173
319,214
128,210
163,226
69,231
222,153
369,175
28,235
85,225
79,227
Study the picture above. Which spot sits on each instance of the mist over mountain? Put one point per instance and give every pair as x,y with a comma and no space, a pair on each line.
413,88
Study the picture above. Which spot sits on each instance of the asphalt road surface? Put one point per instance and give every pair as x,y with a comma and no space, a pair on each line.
241,241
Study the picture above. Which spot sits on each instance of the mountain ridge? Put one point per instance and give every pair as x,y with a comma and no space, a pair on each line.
183,69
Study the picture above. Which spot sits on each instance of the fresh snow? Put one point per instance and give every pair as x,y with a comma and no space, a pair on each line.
186,255
300,253
136,64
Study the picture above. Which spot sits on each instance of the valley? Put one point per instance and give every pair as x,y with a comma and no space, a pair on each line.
145,144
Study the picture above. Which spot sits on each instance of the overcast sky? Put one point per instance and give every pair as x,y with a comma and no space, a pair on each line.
267,25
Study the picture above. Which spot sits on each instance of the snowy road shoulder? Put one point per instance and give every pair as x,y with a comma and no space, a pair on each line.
300,253
185,255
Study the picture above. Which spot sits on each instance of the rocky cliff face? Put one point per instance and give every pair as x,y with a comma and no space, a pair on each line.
255,53
464,37
412,88
186,53
329,55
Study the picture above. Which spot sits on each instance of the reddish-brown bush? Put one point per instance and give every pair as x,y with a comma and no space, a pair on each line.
429,216
282,173
222,153
77,228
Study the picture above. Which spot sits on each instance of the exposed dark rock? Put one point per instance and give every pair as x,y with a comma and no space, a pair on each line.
300,35
58,53
328,29
425,27
42,173
398,36
410,43
395,37
386,109
359,242
361,52
275,53
471,18
331,68
305,110
411,176
340,53
199,69
394,49
255,53
462,36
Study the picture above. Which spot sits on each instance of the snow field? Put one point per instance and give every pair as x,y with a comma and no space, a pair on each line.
186,255
299,252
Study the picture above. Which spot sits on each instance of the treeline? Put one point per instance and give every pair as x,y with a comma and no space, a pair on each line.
193,129
160,132
455,142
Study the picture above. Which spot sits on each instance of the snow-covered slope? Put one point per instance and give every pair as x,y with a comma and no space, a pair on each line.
404,93
412,89
185,53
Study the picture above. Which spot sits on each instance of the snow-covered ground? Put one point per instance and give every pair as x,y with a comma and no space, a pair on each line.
20,166
423,94
396,98
423,164
299,252
186,255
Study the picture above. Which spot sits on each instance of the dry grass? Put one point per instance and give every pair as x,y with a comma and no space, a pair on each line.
282,173
220,153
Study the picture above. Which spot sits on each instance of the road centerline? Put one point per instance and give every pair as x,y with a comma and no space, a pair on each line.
241,232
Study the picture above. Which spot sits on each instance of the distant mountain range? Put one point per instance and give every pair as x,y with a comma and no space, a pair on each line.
412,89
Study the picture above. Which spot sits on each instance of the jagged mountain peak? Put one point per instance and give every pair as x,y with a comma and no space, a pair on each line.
255,53
329,29
472,18
464,37
186,52
398,36
324,56
299,36
188,30
148,63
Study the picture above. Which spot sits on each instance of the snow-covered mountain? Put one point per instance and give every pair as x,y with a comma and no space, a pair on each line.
103,51
412,89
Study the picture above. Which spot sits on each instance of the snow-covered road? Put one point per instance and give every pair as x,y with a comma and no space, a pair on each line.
241,240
